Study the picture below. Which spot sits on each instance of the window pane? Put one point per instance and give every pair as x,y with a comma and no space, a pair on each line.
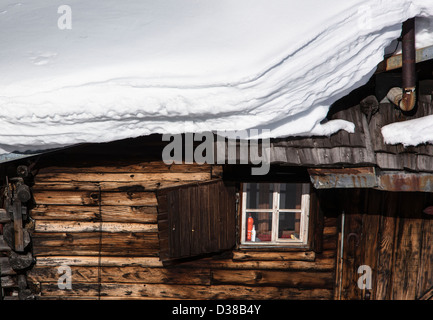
290,195
261,226
289,225
259,195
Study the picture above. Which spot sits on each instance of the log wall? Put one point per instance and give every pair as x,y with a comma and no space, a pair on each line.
101,221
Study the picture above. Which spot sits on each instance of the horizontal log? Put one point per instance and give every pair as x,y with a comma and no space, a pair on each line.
107,185
143,214
95,243
53,261
325,264
274,256
135,274
157,291
142,167
130,177
297,279
67,198
129,199
88,198
82,226
329,231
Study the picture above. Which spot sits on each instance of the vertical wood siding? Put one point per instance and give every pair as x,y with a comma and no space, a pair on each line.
389,232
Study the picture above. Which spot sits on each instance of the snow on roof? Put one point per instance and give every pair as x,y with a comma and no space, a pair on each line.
410,132
131,68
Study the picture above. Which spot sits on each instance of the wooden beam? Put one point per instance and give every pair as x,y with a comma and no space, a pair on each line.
396,61
83,226
273,256
185,291
18,226
89,261
123,177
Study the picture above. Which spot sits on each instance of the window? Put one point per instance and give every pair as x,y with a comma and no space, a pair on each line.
275,214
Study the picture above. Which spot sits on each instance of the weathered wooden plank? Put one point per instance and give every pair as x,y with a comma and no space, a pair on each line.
274,278
55,261
88,243
184,222
127,167
107,185
386,247
128,198
187,291
273,256
425,273
351,254
370,239
143,214
215,217
130,274
88,198
196,222
424,162
325,264
407,249
82,226
123,177
18,226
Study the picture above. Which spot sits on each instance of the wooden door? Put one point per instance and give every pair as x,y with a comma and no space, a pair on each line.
385,247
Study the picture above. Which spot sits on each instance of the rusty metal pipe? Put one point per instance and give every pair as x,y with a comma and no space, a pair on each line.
408,100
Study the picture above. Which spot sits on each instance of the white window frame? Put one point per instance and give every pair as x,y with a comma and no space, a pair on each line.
275,241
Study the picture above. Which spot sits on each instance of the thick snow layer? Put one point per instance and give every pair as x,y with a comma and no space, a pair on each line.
410,132
131,68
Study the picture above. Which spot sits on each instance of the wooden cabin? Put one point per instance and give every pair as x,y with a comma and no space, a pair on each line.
340,217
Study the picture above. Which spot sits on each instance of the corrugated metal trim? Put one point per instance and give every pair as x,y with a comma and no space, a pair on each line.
404,181
368,177
364,177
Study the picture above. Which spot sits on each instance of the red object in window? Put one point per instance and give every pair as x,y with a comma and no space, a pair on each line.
264,237
250,227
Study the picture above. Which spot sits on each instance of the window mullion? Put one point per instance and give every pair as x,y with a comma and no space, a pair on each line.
275,212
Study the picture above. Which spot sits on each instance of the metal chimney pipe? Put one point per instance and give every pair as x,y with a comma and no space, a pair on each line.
408,68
